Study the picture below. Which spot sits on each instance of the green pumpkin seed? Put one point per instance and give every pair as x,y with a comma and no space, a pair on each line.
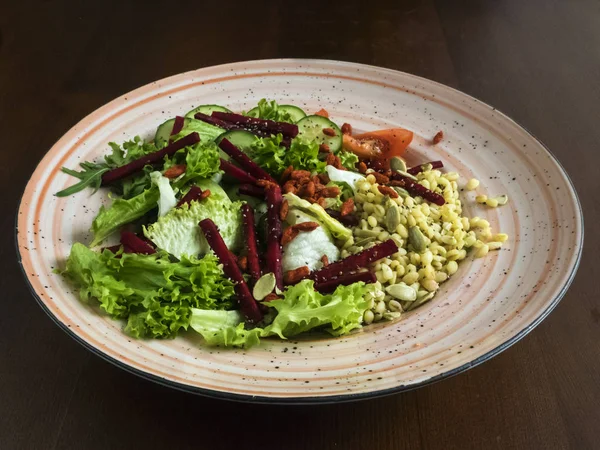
421,300
392,218
401,191
366,233
407,175
264,286
397,164
416,239
502,199
364,241
402,291
391,315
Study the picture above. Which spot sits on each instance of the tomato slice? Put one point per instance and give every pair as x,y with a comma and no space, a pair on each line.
381,145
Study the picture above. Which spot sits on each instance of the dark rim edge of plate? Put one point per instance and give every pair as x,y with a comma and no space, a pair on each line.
223,395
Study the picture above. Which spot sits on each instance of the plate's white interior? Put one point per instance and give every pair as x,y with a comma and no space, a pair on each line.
487,303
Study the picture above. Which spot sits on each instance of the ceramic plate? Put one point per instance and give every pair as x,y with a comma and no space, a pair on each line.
487,306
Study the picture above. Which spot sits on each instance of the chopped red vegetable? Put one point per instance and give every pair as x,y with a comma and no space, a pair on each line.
418,169
274,232
242,159
250,242
239,174
247,303
350,220
269,126
251,190
193,194
354,262
136,244
417,189
177,125
327,287
152,158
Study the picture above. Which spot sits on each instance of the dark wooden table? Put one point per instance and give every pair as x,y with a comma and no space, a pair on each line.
538,61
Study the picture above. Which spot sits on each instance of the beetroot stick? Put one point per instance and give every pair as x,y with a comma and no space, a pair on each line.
152,158
327,287
239,174
136,244
242,159
354,262
250,242
248,305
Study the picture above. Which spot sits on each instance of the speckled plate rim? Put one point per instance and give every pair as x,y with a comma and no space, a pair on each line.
333,398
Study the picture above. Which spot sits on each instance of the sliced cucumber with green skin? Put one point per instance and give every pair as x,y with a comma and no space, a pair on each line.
295,113
240,138
311,128
206,109
163,132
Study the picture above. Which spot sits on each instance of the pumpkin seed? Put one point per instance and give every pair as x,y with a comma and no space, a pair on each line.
391,315
401,191
421,300
264,286
364,241
416,239
397,164
502,199
402,291
392,218
367,233
406,175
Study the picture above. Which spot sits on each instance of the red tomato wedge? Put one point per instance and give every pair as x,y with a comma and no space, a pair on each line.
380,145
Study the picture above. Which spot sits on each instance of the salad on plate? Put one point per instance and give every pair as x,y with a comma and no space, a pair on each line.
269,223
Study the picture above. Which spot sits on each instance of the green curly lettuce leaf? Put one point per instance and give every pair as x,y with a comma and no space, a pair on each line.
153,294
301,309
270,110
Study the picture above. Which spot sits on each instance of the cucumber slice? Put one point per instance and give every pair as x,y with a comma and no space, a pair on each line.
207,109
240,138
311,128
163,132
295,113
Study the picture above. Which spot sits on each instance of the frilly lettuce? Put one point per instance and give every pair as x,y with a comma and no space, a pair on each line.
338,230
301,309
167,200
308,248
270,110
271,156
154,294
179,234
202,161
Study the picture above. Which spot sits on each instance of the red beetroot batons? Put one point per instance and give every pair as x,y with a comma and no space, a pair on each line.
250,242
354,262
247,303
153,158
268,126
242,159
327,287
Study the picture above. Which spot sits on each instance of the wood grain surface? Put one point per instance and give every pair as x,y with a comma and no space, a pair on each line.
537,61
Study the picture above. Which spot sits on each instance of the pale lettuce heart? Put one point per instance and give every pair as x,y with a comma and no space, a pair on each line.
167,200
338,230
308,248
178,232
344,176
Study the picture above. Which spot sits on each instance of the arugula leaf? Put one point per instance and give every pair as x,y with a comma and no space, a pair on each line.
90,176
